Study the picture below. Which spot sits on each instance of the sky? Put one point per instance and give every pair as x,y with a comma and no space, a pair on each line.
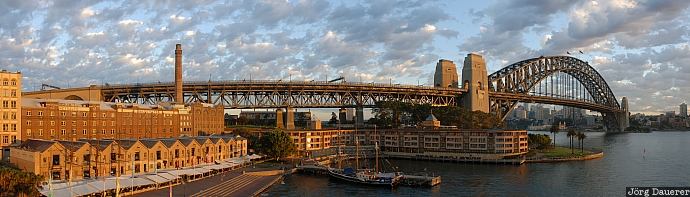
639,47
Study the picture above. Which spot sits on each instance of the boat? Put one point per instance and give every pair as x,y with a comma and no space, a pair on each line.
365,176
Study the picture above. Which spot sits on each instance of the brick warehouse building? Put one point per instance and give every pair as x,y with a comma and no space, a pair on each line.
73,120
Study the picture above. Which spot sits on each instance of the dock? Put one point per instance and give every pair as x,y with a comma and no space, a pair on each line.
407,180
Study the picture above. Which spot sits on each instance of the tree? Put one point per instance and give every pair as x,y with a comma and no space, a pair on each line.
540,141
18,183
554,130
277,144
334,119
572,134
581,138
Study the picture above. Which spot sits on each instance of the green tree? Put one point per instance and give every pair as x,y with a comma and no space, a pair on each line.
555,128
540,141
18,183
572,134
334,119
277,144
581,138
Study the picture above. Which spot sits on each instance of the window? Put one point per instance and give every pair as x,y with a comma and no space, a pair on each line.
14,115
83,132
63,123
193,152
40,113
28,123
14,127
74,114
113,156
52,123
52,132
63,114
14,104
52,113
28,113
158,155
28,132
136,156
177,153
74,132
74,123
63,131
83,114
93,131
56,160
40,132
112,131
83,123
40,123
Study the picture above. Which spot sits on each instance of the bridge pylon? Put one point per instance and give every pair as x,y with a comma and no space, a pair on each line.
475,80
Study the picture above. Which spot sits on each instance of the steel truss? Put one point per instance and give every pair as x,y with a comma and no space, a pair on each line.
277,94
516,83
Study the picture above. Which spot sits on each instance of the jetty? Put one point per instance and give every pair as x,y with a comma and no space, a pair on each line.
407,180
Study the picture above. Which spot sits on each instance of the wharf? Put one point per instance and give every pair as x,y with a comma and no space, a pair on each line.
407,180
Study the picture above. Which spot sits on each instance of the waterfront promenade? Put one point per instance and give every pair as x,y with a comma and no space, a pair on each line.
247,181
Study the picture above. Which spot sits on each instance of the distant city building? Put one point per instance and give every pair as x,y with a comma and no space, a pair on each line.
683,110
542,114
72,120
11,89
519,113
670,114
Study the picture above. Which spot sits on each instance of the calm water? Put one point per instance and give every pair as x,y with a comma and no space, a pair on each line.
635,159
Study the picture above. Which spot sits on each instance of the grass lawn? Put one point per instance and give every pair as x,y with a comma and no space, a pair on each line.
563,152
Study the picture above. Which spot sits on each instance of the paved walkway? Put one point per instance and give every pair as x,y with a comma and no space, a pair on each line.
233,183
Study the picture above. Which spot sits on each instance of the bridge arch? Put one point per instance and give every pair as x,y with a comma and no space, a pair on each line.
74,97
514,82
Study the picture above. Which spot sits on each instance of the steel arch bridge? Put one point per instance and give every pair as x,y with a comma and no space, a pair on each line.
559,80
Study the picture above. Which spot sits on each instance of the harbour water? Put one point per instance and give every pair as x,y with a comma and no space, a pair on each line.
631,159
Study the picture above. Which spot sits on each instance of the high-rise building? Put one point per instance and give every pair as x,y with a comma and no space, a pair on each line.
684,110
10,93
446,74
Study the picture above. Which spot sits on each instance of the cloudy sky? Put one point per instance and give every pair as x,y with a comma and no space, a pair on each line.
640,47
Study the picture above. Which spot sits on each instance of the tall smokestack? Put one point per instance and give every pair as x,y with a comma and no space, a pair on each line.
178,74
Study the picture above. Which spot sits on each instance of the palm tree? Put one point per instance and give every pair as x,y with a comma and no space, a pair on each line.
581,137
554,130
571,134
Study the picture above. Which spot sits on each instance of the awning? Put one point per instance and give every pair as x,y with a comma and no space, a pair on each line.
75,190
156,178
168,176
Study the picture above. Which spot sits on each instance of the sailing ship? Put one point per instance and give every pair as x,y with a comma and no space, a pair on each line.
365,176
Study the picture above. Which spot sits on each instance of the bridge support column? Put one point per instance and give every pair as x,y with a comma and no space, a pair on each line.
289,118
279,118
359,113
624,115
